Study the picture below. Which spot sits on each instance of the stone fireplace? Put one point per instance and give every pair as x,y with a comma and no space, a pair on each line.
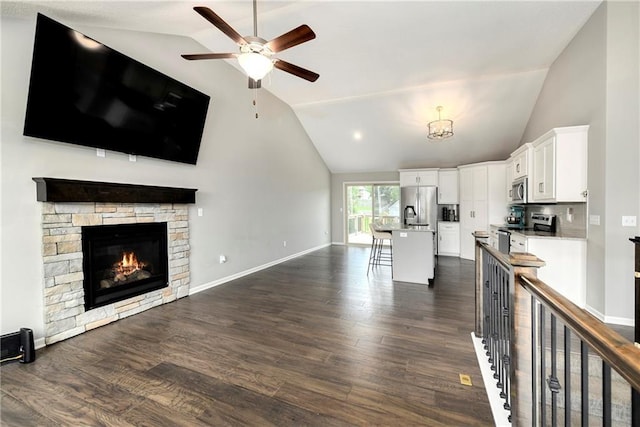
64,217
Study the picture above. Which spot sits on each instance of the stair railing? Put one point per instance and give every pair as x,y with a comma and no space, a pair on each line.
542,347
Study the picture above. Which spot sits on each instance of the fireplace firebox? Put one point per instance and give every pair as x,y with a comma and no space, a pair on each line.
123,260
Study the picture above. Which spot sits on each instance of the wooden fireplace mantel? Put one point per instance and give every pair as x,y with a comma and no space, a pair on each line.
67,190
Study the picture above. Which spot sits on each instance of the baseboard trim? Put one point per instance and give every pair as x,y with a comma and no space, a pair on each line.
622,321
594,312
39,343
612,320
213,284
500,415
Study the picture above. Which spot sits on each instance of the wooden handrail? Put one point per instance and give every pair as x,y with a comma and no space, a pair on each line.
619,353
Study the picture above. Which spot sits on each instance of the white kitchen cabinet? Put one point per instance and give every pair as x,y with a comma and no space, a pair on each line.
493,237
482,201
517,243
560,166
565,268
521,162
449,238
509,180
423,177
448,187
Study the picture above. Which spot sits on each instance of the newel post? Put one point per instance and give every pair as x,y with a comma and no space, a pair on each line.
524,367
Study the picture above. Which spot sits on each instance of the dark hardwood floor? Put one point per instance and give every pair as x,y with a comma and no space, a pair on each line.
312,341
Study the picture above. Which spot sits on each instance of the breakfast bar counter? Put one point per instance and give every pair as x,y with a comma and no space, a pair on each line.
413,254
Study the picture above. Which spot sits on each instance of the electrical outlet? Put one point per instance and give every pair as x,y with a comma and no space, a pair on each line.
200,212
223,259
594,219
628,221
133,158
100,152
284,244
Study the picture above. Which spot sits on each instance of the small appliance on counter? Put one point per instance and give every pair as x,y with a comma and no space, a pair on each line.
449,214
516,217
543,222
409,215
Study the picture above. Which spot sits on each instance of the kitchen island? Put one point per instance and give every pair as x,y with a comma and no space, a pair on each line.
413,254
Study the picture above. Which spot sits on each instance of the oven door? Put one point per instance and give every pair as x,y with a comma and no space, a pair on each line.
504,241
519,191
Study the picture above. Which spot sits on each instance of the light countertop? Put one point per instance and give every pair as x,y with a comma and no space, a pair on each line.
560,234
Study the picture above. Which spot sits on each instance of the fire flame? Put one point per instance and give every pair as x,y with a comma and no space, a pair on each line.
129,264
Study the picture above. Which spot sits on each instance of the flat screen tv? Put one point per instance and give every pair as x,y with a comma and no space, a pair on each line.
83,92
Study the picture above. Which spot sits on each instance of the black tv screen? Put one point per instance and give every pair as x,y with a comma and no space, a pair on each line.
83,92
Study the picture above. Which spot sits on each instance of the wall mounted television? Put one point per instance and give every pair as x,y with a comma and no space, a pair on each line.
83,92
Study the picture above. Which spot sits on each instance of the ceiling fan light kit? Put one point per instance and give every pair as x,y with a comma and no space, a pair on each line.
440,129
255,65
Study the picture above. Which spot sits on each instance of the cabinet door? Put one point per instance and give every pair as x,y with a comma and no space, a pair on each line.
448,239
509,181
544,171
448,188
408,179
428,178
520,165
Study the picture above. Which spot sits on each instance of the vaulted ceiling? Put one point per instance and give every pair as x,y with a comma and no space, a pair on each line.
384,67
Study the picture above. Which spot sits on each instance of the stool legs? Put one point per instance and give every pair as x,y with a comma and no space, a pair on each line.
377,256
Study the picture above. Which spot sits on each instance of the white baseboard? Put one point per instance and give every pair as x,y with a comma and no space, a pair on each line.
338,243
612,320
213,284
500,415
623,321
39,343
594,312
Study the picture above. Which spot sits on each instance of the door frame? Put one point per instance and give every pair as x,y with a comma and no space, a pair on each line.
345,217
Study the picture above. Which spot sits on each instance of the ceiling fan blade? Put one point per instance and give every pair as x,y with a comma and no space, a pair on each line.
295,70
293,38
255,84
192,56
211,16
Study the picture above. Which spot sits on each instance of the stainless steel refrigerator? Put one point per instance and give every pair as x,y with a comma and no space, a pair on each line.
424,202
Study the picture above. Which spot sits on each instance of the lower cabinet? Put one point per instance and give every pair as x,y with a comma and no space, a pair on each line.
565,268
449,238
517,243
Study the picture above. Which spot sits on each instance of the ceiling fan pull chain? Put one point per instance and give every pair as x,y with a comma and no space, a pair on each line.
255,100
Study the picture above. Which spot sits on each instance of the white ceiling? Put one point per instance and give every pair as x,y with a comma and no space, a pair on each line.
384,67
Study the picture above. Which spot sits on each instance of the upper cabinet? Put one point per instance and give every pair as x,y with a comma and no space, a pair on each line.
448,187
560,166
411,177
521,160
509,179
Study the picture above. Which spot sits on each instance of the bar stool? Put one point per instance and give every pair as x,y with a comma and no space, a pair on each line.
378,255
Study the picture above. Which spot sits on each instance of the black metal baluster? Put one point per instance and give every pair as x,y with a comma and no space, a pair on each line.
567,377
543,367
606,394
506,313
534,366
584,383
553,383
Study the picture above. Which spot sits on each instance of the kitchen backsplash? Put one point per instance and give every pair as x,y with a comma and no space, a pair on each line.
579,215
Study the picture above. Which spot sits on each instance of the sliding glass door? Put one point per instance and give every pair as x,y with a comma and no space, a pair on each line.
370,203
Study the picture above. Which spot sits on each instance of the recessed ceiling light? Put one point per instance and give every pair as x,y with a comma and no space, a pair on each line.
357,135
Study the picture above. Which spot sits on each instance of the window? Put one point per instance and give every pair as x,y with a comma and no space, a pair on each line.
370,203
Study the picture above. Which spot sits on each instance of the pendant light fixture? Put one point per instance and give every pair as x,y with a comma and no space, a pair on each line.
440,129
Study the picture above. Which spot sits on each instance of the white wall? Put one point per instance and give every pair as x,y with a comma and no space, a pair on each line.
595,81
260,181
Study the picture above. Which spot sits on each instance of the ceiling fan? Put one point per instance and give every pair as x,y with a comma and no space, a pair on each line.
256,56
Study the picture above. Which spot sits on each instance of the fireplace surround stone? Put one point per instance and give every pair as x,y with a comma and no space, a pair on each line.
64,313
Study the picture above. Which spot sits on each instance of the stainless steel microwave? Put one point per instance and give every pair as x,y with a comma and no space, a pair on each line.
519,191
